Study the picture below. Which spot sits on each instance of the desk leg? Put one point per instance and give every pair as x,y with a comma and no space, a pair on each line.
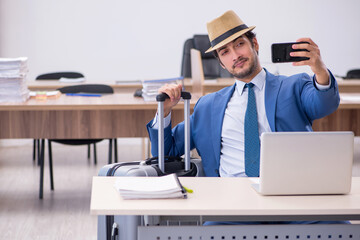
42,162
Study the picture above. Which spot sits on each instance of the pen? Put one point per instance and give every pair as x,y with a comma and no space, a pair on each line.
187,189
83,94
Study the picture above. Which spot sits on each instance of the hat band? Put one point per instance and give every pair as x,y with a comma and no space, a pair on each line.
228,34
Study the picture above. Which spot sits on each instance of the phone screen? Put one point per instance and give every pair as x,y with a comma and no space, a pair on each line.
280,52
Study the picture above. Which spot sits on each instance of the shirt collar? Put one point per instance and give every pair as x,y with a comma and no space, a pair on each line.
258,81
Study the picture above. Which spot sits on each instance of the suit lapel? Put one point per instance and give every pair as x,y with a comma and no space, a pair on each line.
271,94
219,105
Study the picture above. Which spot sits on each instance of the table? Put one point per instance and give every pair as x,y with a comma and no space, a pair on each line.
120,115
228,199
109,116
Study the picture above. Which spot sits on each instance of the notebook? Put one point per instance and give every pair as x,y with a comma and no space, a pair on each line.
301,163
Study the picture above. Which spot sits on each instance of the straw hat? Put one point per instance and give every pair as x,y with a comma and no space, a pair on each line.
225,29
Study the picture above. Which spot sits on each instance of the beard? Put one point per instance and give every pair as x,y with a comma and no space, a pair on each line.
253,65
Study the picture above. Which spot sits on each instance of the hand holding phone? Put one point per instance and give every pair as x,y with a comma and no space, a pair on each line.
280,52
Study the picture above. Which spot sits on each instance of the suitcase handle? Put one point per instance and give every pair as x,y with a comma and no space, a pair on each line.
163,96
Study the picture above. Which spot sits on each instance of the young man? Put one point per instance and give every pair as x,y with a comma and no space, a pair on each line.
222,125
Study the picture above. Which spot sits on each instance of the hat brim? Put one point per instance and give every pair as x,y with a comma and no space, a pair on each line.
229,39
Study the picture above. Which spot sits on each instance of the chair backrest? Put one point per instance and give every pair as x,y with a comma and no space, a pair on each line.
58,75
211,66
353,74
87,88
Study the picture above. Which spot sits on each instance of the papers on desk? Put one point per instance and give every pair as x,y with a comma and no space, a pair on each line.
13,79
71,80
45,94
350,98
167,186
151,87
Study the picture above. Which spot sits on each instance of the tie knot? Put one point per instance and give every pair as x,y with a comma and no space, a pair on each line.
249,85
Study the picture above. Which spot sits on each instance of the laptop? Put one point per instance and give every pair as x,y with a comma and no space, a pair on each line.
302,163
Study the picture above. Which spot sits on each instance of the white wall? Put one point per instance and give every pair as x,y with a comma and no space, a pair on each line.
124,40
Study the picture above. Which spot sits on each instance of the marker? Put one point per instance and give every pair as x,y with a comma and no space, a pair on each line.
188,189
83,94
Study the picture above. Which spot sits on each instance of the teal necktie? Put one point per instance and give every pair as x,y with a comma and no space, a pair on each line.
251,131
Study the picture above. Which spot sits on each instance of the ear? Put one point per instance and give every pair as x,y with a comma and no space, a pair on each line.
218,58
256,44
222,65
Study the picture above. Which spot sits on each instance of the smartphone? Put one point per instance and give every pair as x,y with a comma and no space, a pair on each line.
280,52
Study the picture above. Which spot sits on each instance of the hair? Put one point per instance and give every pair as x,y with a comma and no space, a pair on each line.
250,35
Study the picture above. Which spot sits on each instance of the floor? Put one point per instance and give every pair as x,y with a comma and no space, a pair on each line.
63,213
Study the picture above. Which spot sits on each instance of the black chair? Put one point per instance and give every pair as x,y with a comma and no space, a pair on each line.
55,76
83,88
353,74
58,75
211,66
87,88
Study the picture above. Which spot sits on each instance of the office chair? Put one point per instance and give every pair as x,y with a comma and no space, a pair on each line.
211,66
83,88
54,76
353,74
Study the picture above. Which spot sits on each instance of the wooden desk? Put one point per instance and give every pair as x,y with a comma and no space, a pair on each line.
119,115
109,116
216,199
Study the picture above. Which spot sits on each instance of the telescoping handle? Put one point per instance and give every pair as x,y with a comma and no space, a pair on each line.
160,99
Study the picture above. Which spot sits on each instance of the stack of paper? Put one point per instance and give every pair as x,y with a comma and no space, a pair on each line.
151,87
167,186
13,80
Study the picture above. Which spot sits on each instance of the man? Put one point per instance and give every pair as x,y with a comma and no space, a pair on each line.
220,122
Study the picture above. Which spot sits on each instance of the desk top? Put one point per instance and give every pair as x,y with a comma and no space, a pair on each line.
124,101
220,82
222,197
117,101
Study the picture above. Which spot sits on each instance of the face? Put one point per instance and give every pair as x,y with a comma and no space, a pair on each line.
240,58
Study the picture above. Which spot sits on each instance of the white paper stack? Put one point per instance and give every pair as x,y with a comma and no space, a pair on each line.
13,79
151,87
167,186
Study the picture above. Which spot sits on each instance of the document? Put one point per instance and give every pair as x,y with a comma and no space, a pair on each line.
167,186
71,80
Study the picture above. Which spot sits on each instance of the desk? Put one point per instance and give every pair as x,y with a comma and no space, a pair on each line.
109,116
119,115
215,198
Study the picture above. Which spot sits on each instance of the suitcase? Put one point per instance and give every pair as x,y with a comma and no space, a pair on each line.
125,227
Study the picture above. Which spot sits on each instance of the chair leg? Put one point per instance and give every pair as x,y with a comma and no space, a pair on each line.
88,152
95,157
38,150
51,166
42,162
110,151
115,150
34,150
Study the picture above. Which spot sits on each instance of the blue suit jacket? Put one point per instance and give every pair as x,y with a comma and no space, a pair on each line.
291,103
